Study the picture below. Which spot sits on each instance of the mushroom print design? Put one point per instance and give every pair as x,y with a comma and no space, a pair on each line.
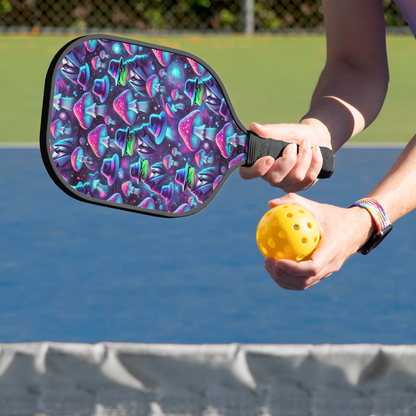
141,127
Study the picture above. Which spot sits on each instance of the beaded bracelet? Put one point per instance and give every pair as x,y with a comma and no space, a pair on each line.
375,210
384,226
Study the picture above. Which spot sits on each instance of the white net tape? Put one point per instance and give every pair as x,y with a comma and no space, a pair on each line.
112,379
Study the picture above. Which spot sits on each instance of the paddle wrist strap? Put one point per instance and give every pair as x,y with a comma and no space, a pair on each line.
384,226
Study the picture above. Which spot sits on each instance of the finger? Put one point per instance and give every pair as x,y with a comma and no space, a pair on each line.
258,170
286,281
282,166
315,166
297,187
305,269
261,130
311,176
287,286
283,284
303,162
290,198
261,166
317,267
305,173
275,267
316,163
297,179
278,169
282,131
314,282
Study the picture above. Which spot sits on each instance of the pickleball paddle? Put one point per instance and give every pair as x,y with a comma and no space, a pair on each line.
143,127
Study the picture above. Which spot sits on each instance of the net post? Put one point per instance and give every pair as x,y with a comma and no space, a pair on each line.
249,17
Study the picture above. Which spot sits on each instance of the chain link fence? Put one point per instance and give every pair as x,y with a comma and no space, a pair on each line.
171,15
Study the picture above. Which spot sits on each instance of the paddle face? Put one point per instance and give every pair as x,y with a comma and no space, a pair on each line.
138,126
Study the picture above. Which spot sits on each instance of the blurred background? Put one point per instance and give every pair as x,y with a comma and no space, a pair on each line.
234,16
279,44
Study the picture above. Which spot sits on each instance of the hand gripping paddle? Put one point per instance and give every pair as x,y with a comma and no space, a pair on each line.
144,128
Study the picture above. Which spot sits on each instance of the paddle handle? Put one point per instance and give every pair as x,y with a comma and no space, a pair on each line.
259,147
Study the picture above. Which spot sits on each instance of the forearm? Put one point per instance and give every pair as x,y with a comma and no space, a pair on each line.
396,192
347,99
353,84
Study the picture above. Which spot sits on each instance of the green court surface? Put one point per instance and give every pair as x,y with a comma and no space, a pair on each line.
270,79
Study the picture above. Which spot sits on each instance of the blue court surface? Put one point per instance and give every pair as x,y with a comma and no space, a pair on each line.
76,272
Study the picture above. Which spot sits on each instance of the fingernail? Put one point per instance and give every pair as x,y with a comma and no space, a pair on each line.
269,161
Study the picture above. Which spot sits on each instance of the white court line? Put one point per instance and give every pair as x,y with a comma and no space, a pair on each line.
375,145
354,145
19,145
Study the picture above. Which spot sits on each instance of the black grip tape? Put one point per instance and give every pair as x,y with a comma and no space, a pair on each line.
259,147
327,164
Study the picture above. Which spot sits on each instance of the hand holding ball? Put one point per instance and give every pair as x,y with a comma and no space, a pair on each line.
288,232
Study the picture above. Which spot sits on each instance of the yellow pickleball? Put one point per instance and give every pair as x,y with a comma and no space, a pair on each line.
288,232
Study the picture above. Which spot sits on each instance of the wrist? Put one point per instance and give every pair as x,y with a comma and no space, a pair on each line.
364,228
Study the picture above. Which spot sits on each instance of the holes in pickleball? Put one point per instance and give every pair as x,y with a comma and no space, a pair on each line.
282,234
271,243
263,249
304,240
289,215
309,225
268,214
285,206
288,249
296,227
301,211
263,229
315,239
275,221
300,257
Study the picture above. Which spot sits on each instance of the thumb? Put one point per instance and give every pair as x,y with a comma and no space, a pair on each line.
283,131
290,198
267,131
